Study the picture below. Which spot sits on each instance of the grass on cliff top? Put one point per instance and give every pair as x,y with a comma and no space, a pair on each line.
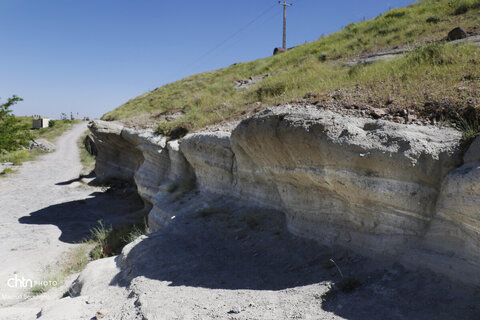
87,160
446,75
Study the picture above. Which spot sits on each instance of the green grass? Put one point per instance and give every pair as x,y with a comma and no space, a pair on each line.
50,134
6,171
73,261
104,241
108,241
20,156
87,160
316,67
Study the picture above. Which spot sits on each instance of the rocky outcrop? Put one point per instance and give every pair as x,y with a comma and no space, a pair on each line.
379,188
348,180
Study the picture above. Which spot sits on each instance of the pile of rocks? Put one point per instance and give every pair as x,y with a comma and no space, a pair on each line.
41,144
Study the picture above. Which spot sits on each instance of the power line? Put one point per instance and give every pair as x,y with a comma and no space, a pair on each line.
260,23
233,35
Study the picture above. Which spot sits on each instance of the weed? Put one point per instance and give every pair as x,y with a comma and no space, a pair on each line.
433,19
395,13
271,90
72,261
134,233
469,126
87,160
99,236
345,285
432,54
355,70
322,57
463,6
110,241
6,171
20,156
172,130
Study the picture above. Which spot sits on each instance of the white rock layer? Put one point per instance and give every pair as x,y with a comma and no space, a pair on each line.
380,188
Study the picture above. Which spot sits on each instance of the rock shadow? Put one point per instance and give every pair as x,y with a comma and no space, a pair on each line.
75,219
399,294
251,249
79,179
238,249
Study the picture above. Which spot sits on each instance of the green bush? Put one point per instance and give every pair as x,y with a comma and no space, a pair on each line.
463,6
395,13
433,19
271,90
13,133
432,54
7,171
52,123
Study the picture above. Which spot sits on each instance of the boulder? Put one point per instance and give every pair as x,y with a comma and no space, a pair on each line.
456,34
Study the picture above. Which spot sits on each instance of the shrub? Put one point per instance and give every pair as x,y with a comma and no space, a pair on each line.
52,123
322,57
172,130
463,6
433,19
7,171
110,241
165,128
432,54
469,126
271,90
13,134
395,13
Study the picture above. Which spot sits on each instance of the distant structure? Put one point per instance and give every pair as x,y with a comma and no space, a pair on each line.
39,122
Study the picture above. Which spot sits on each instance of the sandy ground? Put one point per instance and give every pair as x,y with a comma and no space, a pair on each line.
44,211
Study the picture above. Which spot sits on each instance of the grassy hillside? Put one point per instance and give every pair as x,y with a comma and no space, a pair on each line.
432,76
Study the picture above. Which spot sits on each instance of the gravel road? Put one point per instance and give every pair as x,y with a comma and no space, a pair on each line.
44,211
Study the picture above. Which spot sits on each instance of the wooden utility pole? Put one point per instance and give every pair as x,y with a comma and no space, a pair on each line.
285,5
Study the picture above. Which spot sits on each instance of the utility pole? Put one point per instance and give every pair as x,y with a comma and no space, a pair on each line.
285,5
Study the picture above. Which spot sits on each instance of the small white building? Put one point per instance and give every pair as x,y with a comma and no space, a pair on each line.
40,123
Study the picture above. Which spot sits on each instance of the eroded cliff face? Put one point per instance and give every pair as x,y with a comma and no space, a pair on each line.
383,189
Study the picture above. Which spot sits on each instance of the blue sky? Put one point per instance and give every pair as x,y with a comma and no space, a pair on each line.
91,56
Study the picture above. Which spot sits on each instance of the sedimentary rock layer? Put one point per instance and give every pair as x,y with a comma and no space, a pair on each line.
380,188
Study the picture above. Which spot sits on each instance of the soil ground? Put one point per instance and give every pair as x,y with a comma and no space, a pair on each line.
45,210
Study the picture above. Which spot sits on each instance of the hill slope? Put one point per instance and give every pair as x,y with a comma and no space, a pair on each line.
434,81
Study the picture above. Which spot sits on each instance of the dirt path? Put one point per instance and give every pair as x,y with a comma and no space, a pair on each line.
44,211
26,249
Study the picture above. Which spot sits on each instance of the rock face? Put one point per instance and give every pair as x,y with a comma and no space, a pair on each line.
379,188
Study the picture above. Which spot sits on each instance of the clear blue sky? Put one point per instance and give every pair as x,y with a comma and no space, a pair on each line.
90,56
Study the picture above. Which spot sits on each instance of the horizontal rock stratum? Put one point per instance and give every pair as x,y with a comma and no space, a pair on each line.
401,192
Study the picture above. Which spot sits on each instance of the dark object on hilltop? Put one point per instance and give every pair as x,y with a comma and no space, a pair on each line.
456,34
279,50
89,144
